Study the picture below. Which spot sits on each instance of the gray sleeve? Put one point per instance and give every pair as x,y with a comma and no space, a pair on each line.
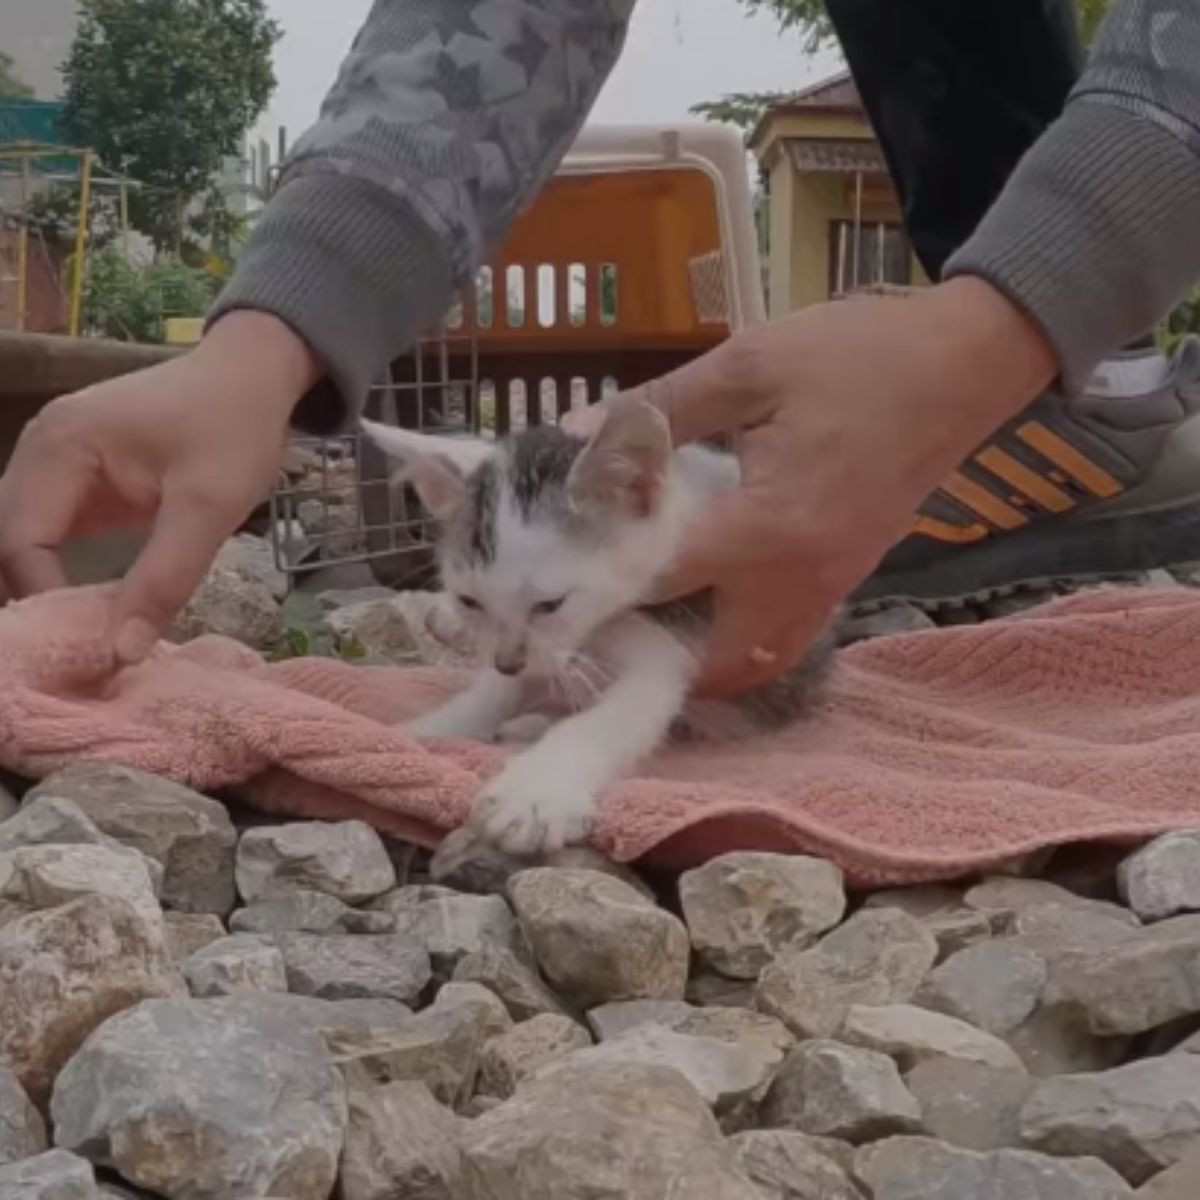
1097,234
446,117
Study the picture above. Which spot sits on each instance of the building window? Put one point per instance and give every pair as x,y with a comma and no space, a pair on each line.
875,252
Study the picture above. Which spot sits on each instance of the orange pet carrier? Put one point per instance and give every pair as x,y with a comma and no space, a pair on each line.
637,256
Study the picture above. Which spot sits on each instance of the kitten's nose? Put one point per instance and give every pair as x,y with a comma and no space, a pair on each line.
510,662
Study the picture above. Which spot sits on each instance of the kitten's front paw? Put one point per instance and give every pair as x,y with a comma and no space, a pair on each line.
528,812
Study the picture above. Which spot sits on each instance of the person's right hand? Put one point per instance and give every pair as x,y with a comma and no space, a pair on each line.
186,448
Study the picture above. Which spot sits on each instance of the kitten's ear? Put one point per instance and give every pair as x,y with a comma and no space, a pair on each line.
624,464
435,466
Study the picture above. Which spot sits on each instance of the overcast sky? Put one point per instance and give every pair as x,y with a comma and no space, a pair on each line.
678,52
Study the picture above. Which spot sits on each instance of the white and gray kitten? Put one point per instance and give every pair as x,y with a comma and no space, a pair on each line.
550,546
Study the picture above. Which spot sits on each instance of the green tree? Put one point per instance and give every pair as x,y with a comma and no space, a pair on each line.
162,91
11,87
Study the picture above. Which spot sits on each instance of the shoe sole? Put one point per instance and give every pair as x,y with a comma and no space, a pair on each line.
1060,553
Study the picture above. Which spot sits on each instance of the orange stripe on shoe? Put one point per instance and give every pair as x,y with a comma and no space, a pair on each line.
1064,456
982,503
1017,474
944,531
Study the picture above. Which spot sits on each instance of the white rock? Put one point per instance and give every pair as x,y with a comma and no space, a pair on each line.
514,1056
596,939
346,966
240,963
786,1164
344,859
1003,897
253,558
303,911
608,1021
188,932
970,1105
452,927
995,986
1163,879
22,1131
54,1175
382,629
911,1035
229,604
742,909
518,985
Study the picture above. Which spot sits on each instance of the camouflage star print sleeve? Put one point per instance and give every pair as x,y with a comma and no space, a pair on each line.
1097,234
446,117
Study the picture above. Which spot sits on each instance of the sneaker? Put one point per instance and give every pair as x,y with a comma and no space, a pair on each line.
1074,490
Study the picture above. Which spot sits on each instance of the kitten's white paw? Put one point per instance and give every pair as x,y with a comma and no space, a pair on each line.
528,811
526,728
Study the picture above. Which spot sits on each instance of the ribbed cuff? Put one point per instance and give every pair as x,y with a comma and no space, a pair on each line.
1096,236
351,268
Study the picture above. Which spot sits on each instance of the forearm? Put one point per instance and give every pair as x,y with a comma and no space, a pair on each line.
447,116
1095,236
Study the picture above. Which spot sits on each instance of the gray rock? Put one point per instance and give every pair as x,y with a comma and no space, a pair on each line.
22,1131
1051,929
1138,1118
230,605
1055,1041
910,1168
968,1104
608,1021
737,1025
785,1164
1163,879
33,878
1003,897
896,618
336,1022
496,1020
64,971
958,930
344,859
519,986
346,966
439,1047
240,963
205,1099
1178,1182
845,1092
452,927
514,1056
879,956
190,836
731,1076
188,932
400,1142
743,908
1134,985
995,986
54,1175
253,559
707,989
380,628
911,1035
596,939
920,901
601,1129
303,911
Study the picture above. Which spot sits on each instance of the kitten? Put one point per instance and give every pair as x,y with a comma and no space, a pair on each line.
550,546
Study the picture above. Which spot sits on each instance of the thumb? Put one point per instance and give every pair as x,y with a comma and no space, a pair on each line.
188,532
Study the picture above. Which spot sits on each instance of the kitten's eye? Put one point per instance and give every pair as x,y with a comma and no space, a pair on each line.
469,602
544,608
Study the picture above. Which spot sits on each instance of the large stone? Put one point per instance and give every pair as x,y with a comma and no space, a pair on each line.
335,1021
1056,1041
590,1130
1053,929
596,939
995,986
304,911
345,859
496,1023
451,927
206,1099
439,1047
916,1168
709,989
911,1035
743,908
1134,985
957,930
233,606
1138,1118
879,956
22,1131
921,900
190,836
400,1142
731,1076
1163,879
54,1175
608,1021
968,1104
1179,1182
1003,897
833,1090
64,971
240,963
347,966
785,1164
519,986
380,629
253,558
188,932
33,878
522,1051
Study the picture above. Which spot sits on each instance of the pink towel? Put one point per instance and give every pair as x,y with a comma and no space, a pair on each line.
935,754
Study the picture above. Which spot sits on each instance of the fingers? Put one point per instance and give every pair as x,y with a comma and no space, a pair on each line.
188,532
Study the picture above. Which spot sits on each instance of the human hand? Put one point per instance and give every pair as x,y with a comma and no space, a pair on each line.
186,448
846,416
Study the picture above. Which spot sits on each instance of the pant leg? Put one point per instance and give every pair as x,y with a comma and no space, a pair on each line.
957,91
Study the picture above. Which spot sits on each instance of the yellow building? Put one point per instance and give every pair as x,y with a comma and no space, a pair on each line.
833,220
